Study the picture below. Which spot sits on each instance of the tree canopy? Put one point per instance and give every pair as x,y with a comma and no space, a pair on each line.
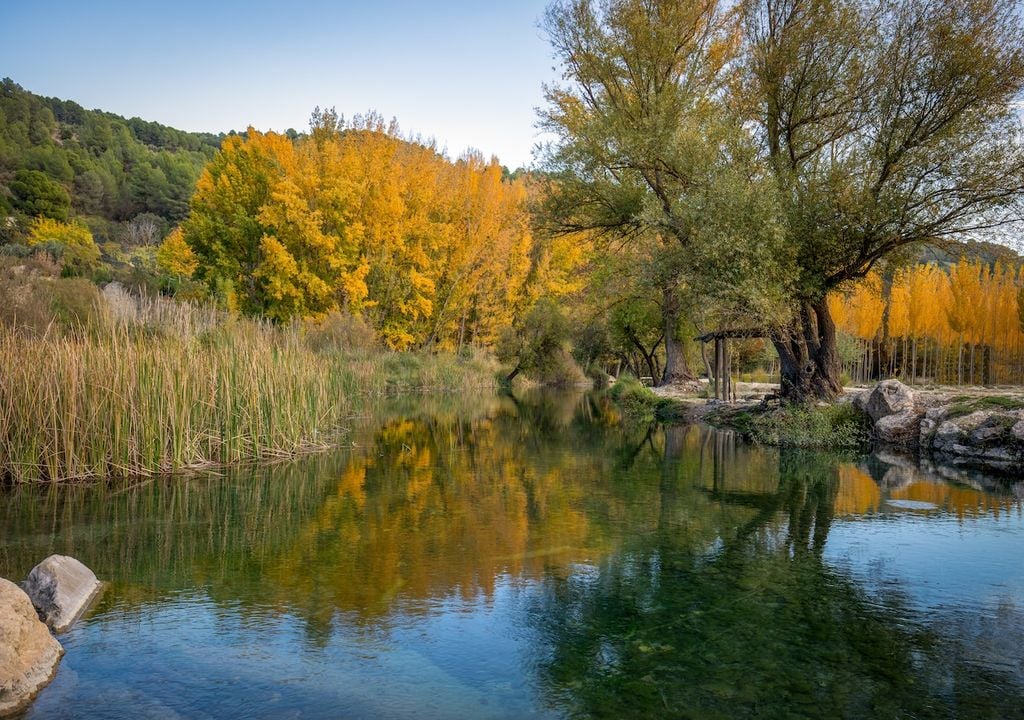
354,217
56,156
783,147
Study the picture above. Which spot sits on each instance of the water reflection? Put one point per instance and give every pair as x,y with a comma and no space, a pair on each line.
534,556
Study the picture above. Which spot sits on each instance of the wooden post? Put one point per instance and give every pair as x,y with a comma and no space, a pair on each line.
727,370
719,378
714,373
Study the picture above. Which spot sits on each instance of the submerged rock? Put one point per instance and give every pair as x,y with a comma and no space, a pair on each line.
28,652
61,588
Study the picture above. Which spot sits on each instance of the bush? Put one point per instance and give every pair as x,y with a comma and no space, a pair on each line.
33,299
634,398
560,370
840,425
75,304
79,254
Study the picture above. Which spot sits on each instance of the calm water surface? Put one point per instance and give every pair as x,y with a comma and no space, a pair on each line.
537,558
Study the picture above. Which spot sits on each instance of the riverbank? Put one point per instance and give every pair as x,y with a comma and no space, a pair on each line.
152,386
954,430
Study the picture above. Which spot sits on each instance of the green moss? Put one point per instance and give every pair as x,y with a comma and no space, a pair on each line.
965,405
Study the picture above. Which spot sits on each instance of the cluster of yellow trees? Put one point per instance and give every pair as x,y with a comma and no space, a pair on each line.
964,324
355,218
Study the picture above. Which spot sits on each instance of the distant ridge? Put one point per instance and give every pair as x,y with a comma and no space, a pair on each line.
113,168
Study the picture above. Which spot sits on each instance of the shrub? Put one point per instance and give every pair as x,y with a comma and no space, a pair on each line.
634,398
79,255
75,304
560,370
840,425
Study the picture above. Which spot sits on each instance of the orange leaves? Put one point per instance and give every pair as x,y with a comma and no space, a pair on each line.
973,304
432,251
859,311
972,299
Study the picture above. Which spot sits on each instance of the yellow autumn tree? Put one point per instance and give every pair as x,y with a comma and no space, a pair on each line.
175,257
354,217
256,229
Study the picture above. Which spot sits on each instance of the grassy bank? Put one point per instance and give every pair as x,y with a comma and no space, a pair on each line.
143,387
638,402
834,426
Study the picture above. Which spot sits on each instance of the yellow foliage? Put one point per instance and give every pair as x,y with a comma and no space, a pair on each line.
972,305
80,250
430,251
175,257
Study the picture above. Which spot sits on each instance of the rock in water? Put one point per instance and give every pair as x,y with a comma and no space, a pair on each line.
61,588
28,652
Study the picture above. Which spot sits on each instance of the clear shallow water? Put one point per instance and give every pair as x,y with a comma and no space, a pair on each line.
534,558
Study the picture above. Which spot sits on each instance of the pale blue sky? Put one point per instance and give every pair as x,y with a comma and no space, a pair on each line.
466,73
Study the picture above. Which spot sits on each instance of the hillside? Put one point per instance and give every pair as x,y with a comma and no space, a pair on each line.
99,166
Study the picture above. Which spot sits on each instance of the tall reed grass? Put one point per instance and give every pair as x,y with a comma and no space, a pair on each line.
158,387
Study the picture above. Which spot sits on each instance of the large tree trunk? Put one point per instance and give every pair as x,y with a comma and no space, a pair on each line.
676,368
808,356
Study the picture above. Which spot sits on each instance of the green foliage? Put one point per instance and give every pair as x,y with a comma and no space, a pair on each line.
36,194
635,399
805,426
538,345
660,164
64,157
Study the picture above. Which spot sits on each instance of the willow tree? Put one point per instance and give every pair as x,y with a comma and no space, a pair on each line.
647,152
886,124
638,131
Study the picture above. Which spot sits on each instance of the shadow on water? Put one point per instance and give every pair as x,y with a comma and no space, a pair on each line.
533,556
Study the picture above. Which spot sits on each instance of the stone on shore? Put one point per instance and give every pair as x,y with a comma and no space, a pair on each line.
984,439
902,428
889,397
61,588
29,653
891,406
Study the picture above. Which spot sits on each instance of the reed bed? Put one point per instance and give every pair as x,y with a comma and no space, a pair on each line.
161,387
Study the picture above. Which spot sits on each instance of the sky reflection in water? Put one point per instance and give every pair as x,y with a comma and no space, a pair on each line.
536,558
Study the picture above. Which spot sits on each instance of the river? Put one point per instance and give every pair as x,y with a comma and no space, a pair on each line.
537,558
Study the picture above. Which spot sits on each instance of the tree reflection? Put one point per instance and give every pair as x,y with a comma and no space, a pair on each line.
753,623
673,572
